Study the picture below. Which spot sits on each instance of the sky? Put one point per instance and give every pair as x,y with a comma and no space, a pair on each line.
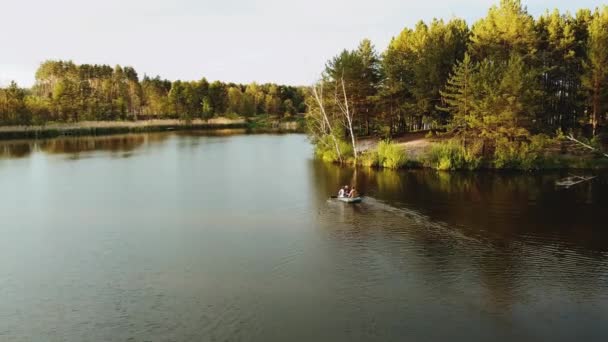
280,41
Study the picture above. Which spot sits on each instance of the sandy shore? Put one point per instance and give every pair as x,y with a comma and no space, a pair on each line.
414,144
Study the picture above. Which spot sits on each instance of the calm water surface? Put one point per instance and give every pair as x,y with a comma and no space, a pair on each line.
197,237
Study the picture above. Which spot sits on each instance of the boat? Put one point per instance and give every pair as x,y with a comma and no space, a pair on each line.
350,200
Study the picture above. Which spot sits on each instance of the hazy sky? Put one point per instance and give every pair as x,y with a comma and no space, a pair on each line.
231,40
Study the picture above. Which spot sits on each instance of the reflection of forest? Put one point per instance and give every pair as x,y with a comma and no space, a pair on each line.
108,143
212,133
75,145
123,143
502,236
16,149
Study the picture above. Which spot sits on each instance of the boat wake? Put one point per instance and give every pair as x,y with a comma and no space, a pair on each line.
372,211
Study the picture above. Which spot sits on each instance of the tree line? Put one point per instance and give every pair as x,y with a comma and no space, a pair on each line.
507,77
67,92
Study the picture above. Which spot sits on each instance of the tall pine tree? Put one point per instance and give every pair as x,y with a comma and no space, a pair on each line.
596,67
458,96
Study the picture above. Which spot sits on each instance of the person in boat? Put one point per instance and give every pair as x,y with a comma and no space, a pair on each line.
342,192
346,191
353,193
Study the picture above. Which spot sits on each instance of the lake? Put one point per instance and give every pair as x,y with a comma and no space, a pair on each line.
220,236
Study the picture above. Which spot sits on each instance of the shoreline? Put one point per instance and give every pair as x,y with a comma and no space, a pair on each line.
98,128
416,148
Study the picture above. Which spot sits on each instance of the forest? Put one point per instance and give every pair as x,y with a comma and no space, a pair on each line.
500,89
67,92
498,92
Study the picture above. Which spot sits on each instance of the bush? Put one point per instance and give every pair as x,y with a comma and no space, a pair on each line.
390,155
369,158
326,150
387,154
451,155
520,155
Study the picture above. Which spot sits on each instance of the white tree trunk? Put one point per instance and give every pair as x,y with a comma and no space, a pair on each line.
319,100
349,120
571,137
347,114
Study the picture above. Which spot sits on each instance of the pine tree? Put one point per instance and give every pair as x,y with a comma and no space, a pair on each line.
417,64
596,66
458,95
369,80
501,92
507,29
559,59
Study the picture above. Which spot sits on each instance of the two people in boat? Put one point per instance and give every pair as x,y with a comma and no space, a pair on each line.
345,191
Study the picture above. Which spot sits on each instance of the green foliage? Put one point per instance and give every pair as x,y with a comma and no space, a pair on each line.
39,109
492,85
65,91
369,158
561,41
508,154
495,88
390,155
288,108
506,30
595,78
13,109
451,155
417,64
501,107
387,155
360,71
458,95
207,110
520,155
325,149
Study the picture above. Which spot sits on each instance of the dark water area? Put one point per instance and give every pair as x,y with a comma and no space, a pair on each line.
225,237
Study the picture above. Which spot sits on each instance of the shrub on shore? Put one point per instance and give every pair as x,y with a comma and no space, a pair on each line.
390,155
521,155
451,155
325,150
387,155
535,152
369,158
507,154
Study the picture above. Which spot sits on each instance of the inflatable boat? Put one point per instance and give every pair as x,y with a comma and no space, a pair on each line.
350,200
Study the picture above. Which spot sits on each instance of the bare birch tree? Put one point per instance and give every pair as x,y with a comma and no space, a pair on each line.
347,113
572,138
323,122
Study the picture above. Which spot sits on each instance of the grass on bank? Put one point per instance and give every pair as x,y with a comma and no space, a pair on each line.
292,123
387,155
263,123
536,153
